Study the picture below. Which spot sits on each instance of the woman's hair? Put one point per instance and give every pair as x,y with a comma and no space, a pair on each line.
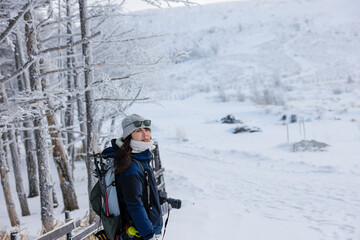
123,155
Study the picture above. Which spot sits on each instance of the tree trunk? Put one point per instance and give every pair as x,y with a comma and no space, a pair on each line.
88,79
46,188
60,159
15,161
46,199
81,112
10,205
58,148
23,84
5,148
29,143
55,201
69,112
18,175
112,126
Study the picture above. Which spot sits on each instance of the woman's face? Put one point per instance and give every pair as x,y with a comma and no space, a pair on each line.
141,134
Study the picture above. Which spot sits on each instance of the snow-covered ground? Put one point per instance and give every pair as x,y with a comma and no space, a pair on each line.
250,185
257,60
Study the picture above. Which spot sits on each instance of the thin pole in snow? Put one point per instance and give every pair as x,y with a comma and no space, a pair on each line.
287,133
303,122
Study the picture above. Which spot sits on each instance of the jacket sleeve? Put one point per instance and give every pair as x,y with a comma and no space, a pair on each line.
132,188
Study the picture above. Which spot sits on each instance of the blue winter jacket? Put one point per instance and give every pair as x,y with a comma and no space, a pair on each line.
131,183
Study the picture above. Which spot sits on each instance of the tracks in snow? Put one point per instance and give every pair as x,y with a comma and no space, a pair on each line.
250,182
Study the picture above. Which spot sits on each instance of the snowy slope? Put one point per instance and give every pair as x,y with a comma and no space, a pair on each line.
251,186
256,60
231,44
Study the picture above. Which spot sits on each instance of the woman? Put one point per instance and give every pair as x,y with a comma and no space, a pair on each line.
135,181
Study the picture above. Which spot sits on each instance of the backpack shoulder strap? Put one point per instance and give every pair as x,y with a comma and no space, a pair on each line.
139,164
146,181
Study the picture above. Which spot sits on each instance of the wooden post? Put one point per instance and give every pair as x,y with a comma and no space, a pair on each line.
14,236
67,219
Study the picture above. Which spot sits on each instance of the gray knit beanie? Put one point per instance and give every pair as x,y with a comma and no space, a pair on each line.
128,126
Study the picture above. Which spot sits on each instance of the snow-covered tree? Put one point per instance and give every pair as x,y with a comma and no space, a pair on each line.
46,198
10,205
56,78
15,159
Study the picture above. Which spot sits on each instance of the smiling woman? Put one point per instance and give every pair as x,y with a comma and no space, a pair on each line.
135,183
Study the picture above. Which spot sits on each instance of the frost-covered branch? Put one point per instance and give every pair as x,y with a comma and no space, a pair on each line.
58,36
158,3
13,22
130,39
121,99
70,44
19,71
34,58
66,69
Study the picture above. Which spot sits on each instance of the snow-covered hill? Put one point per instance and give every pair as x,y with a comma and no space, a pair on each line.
257,60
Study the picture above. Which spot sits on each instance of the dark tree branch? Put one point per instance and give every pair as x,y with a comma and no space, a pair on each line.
127,76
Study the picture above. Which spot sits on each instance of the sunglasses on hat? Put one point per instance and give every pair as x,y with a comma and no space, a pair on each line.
137,124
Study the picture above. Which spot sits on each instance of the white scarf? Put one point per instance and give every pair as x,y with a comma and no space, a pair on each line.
139,146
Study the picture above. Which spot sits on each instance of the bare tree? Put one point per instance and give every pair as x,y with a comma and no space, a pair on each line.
17,172
5,148
88,79
29,142
46,198
15,161
10,205
97,91
60,157
69,112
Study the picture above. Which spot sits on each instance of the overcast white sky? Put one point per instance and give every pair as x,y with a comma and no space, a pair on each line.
134,5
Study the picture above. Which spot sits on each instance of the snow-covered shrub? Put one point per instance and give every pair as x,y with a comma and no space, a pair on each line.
230,119
240,27
181,134
240,96
267,90
245,128
296,27
273,96
196,53
349,79
222,96
337,91
268,96
204,88
309,146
